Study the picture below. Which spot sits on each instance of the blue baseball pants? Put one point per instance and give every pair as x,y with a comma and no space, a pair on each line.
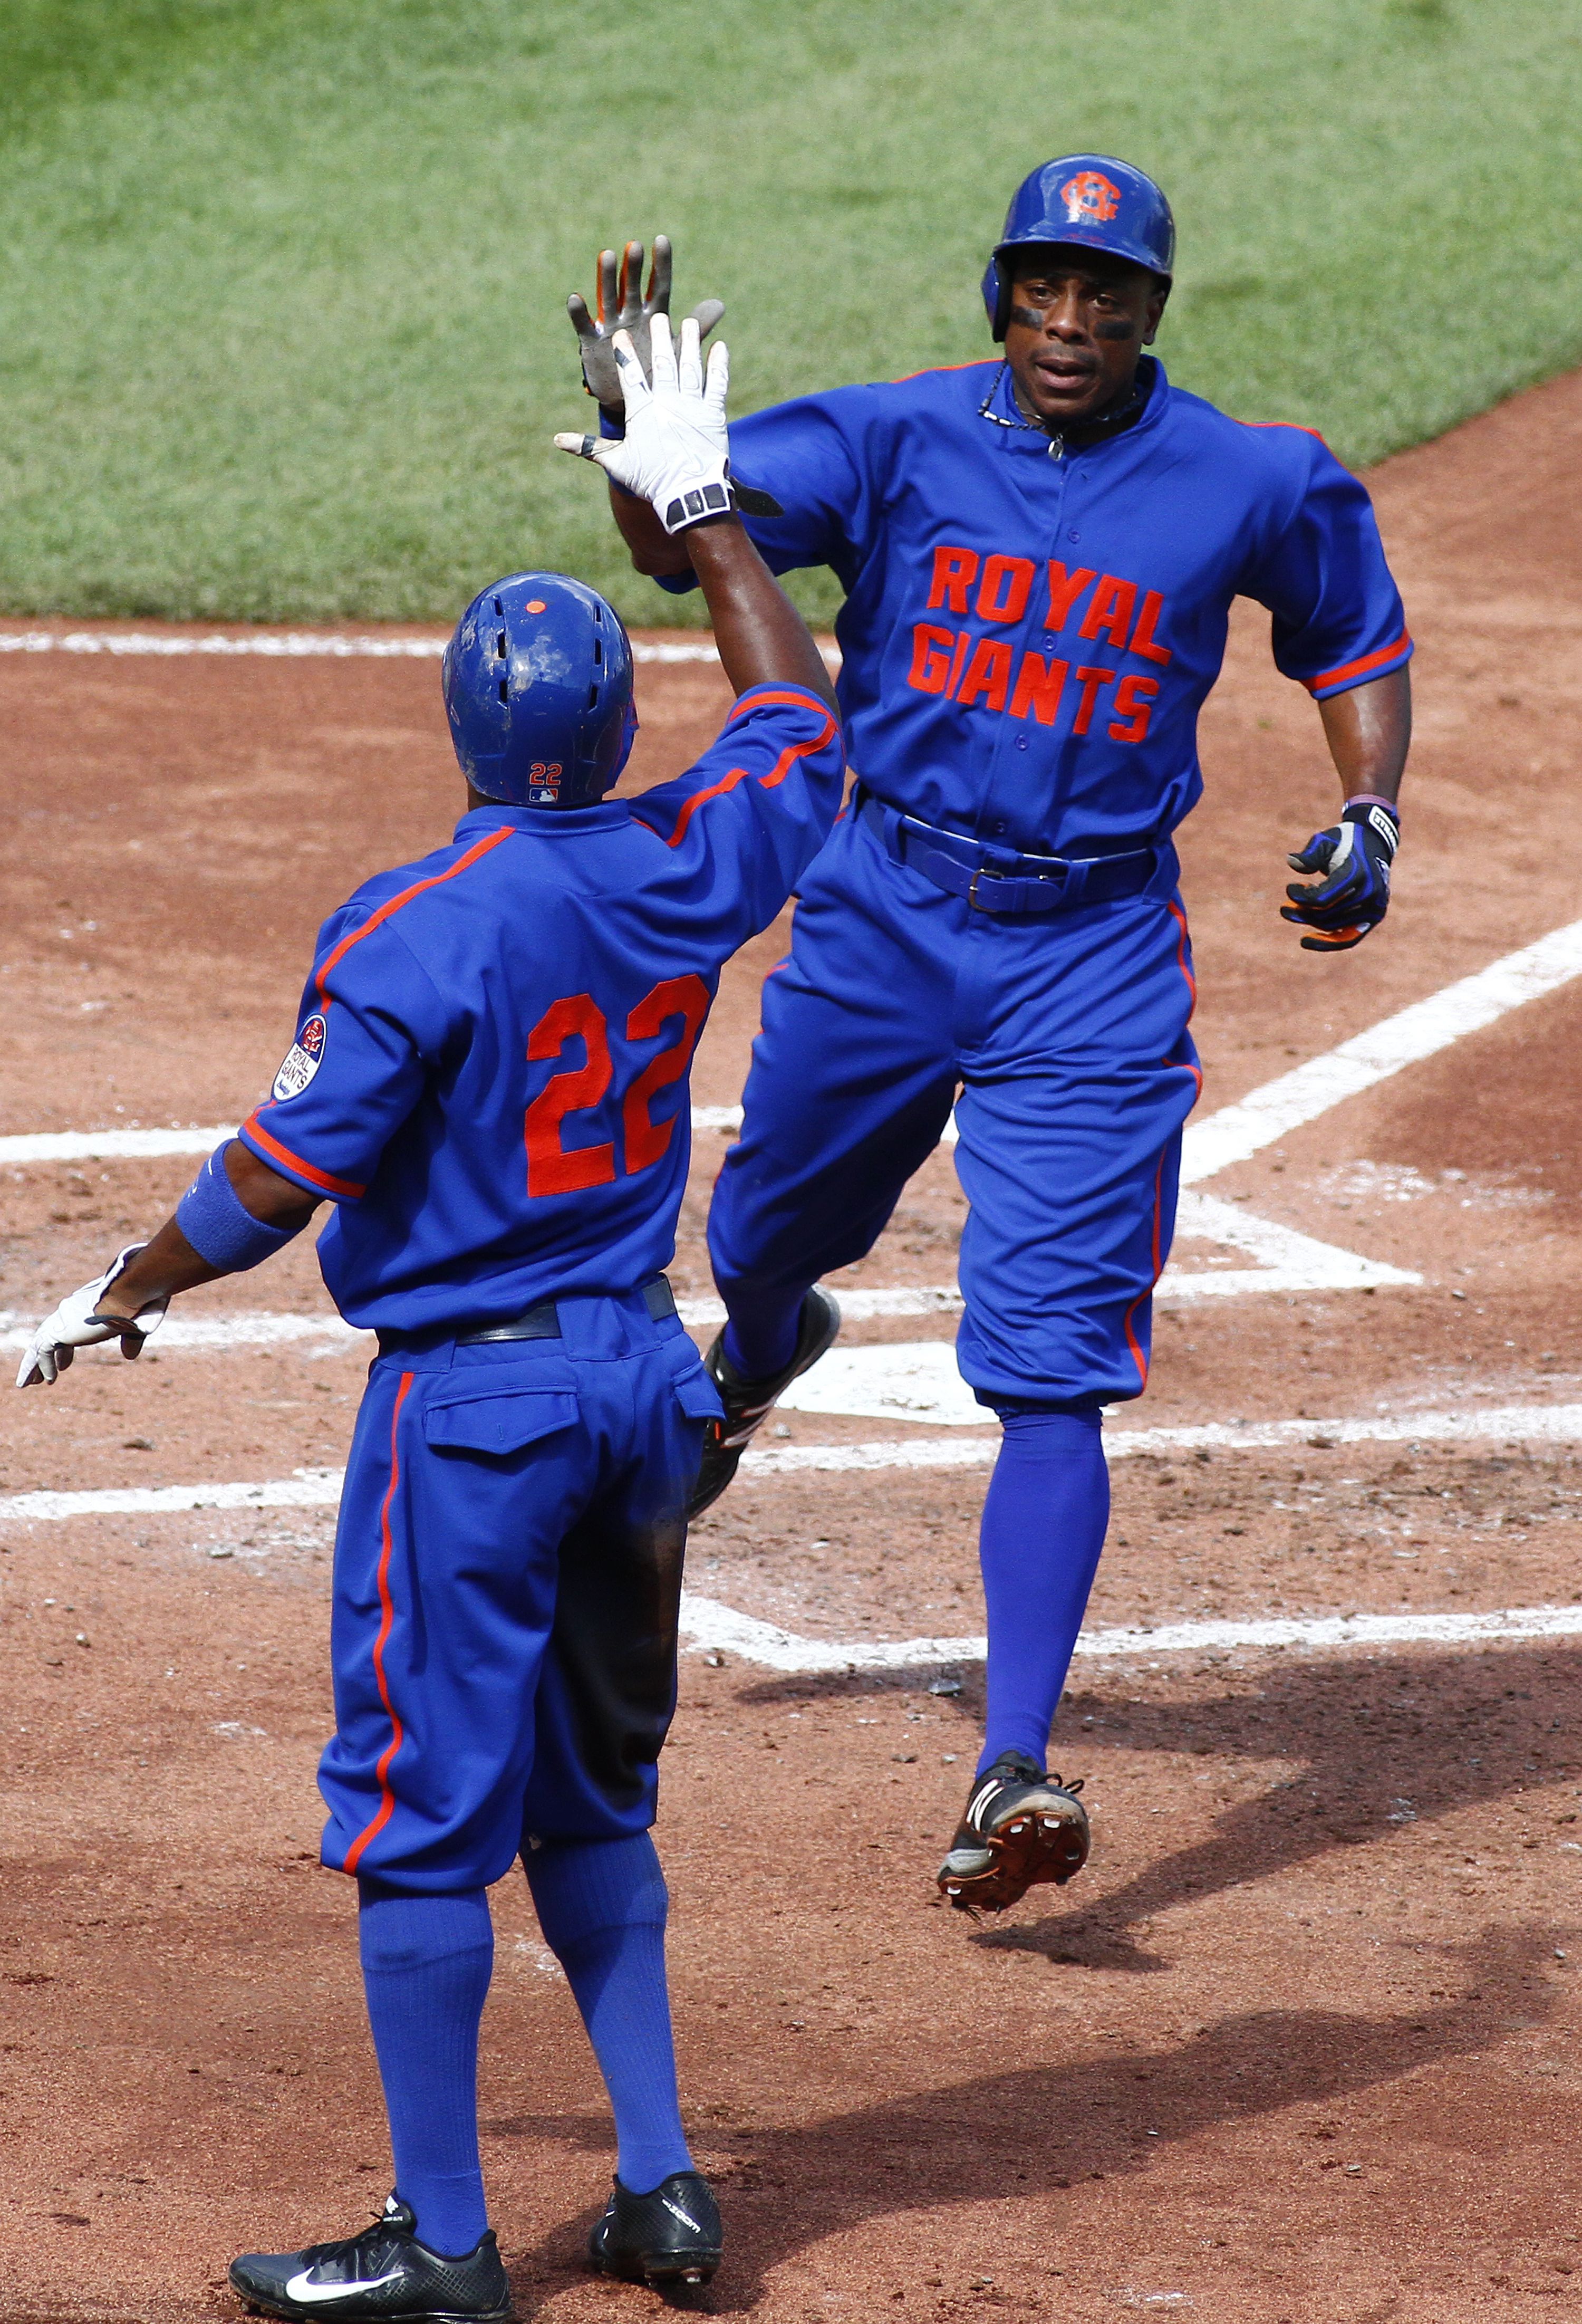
1066,1035
507,1585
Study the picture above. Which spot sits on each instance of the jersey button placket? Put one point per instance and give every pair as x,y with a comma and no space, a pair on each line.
996,813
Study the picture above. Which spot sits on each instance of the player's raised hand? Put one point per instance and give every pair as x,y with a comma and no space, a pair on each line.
1352,895
75,1323
622,305
675,453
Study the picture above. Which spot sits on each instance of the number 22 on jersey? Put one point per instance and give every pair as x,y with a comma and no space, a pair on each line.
555,1168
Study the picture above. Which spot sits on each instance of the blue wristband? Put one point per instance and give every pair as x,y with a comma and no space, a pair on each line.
220,1227
612,429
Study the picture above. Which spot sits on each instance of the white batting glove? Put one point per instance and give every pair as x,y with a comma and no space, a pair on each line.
73,1325
677,449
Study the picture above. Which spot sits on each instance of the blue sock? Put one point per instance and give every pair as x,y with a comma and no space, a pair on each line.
1044,1524
427,1963
760,1338
602,1905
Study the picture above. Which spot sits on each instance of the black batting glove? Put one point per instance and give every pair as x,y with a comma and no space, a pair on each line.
1352,895
624,306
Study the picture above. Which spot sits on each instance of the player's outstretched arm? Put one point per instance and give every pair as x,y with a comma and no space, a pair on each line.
242,1211
675,456
1368,731
761,636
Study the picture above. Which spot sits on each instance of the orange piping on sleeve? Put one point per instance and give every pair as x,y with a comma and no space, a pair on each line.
778,773
1358,669
294,1162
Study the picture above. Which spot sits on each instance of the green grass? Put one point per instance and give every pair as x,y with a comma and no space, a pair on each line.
282,281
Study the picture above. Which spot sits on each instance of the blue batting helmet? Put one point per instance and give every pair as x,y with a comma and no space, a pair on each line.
538,690
1088,199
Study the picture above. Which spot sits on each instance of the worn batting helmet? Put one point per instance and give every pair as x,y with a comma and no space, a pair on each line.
538,690
1088,199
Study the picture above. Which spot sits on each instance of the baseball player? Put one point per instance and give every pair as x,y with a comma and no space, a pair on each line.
489,1083
1039,553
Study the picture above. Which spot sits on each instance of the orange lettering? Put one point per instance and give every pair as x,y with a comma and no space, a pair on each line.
1090,680
962,642
954,571
553,1168
1007,583
1039,686
931,658
1064,589
1110,613
1143,635
1132,697
988,673
686,997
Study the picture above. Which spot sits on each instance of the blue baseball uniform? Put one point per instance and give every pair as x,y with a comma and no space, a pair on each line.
490,1083
1029,631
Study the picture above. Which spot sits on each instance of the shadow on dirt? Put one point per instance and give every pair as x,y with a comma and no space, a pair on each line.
1048,2127
1378,1746
1375,1743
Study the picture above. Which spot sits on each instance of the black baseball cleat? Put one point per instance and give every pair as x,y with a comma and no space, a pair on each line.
672,2236
1021,1827
748,1403
384,2274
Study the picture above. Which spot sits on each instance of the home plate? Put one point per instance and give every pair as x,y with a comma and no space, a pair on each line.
917,1379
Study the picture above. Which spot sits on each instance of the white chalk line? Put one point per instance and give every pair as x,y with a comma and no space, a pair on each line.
1230,1135
1289,1261
320,1487
309,645
215,1334
1234,1132
710,1627
1266,1114
186,1333
110,1145
305,1489
1493,1424
291,645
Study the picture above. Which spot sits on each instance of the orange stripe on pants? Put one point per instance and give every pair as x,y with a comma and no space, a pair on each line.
387,1609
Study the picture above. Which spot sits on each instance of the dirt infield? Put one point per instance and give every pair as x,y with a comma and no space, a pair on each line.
1301,2044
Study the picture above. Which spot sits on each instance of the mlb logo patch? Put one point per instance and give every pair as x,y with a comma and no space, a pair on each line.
301,1060
1090,198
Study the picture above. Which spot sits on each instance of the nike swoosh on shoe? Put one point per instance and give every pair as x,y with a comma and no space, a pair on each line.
303,2288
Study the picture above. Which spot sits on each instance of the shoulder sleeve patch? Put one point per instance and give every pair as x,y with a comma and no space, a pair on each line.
301,1060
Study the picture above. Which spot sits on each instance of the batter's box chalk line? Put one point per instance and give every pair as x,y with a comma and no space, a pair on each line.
710,1627
1512,1424
1287,1260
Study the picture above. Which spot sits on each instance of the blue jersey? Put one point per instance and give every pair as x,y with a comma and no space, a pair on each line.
1029,632
490,1074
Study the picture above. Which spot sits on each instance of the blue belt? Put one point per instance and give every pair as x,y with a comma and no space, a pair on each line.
999,879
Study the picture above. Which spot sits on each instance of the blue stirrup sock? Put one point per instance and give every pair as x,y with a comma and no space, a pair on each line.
602,1904
427,1963
760,1337
1043,1523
